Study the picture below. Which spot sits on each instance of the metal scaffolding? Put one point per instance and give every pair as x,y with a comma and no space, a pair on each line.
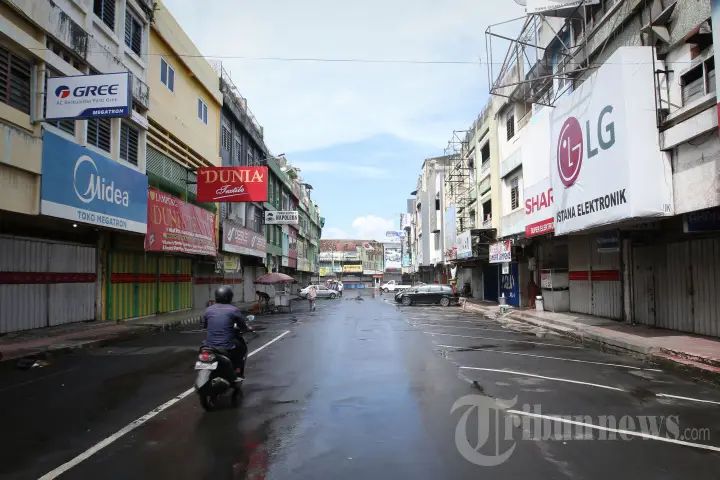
542,60
460,184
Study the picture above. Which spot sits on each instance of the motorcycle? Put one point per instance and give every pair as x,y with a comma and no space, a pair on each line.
216,376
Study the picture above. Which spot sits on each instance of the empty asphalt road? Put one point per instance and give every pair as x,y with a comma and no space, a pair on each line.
359,390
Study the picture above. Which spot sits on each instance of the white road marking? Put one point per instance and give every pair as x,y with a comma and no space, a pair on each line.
566,380
503,340
553,358
132,426
511,372
607,429
687,398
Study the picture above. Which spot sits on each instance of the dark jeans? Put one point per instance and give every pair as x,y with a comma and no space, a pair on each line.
237,355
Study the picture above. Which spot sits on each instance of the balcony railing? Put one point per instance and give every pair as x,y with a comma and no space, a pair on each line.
484,169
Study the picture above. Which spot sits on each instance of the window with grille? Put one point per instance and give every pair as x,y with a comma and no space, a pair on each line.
257,220
15,75
98,133
203,112
167,75
510,126
133,32
699,81
237,153
67,126
129,143
105,11
250,158
225,135
514,193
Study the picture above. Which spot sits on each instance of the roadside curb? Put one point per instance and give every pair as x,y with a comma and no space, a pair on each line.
49,351
697,366
169,325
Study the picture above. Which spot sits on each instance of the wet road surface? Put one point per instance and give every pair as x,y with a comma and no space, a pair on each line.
363,390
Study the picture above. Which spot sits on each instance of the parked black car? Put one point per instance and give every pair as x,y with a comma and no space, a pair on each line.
428,294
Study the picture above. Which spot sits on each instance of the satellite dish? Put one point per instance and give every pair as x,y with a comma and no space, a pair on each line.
521,2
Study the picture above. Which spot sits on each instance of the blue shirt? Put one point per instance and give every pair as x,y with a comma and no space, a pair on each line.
220,321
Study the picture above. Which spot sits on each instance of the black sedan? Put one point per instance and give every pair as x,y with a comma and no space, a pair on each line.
428,294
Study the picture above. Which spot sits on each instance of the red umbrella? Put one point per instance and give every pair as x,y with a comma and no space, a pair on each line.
274,279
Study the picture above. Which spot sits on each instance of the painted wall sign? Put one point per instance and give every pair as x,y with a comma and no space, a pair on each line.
88,96
177,226
608,242
281,217
232,184
241,240
83,186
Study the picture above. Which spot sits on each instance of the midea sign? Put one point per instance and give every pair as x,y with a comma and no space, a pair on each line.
80,185
88,96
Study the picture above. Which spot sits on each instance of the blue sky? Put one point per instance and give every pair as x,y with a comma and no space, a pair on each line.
358,131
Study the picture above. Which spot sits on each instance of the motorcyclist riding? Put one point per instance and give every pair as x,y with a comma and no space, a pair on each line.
220,321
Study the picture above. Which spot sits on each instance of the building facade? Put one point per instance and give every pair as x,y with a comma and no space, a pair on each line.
54,267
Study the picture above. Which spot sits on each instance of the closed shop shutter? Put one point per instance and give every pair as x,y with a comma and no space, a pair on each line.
175,284
205,281
132,286
45,284
676,285
595,287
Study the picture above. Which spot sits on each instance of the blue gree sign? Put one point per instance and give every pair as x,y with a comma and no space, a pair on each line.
83,186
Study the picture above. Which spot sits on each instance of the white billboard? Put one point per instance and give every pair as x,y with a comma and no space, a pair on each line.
606,165
392,257
537,189
88,96
501,252
544,6
282,217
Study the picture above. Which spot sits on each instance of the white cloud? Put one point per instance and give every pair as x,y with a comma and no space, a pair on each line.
334,232
362,171
372,228
309,105
367,227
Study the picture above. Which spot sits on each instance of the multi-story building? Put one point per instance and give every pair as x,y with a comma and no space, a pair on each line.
428,219
358,263
54,266
181,132
609,224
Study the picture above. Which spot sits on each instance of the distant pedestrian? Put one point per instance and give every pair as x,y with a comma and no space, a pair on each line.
312,294
340,287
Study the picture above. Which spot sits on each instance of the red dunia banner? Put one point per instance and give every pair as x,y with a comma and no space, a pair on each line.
232,184
177,226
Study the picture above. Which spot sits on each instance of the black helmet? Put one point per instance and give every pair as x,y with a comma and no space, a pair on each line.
223,294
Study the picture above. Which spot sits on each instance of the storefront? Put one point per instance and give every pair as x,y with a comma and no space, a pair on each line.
606,172
251,246
84,187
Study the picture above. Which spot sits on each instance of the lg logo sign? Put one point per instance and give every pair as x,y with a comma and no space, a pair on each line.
571,146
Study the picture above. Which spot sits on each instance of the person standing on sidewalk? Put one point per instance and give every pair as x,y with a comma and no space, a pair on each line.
340,287
312,294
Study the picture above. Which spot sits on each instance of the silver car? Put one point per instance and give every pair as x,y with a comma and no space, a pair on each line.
322,292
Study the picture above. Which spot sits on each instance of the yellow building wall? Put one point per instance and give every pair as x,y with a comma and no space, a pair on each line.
194,77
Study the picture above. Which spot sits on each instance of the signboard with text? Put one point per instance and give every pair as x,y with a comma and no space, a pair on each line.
501,252
241,240
232,184
177,226
88,96
281,217
606,165
464,245
83,186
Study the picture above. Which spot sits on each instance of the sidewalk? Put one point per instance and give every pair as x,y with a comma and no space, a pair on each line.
43,342
654,344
